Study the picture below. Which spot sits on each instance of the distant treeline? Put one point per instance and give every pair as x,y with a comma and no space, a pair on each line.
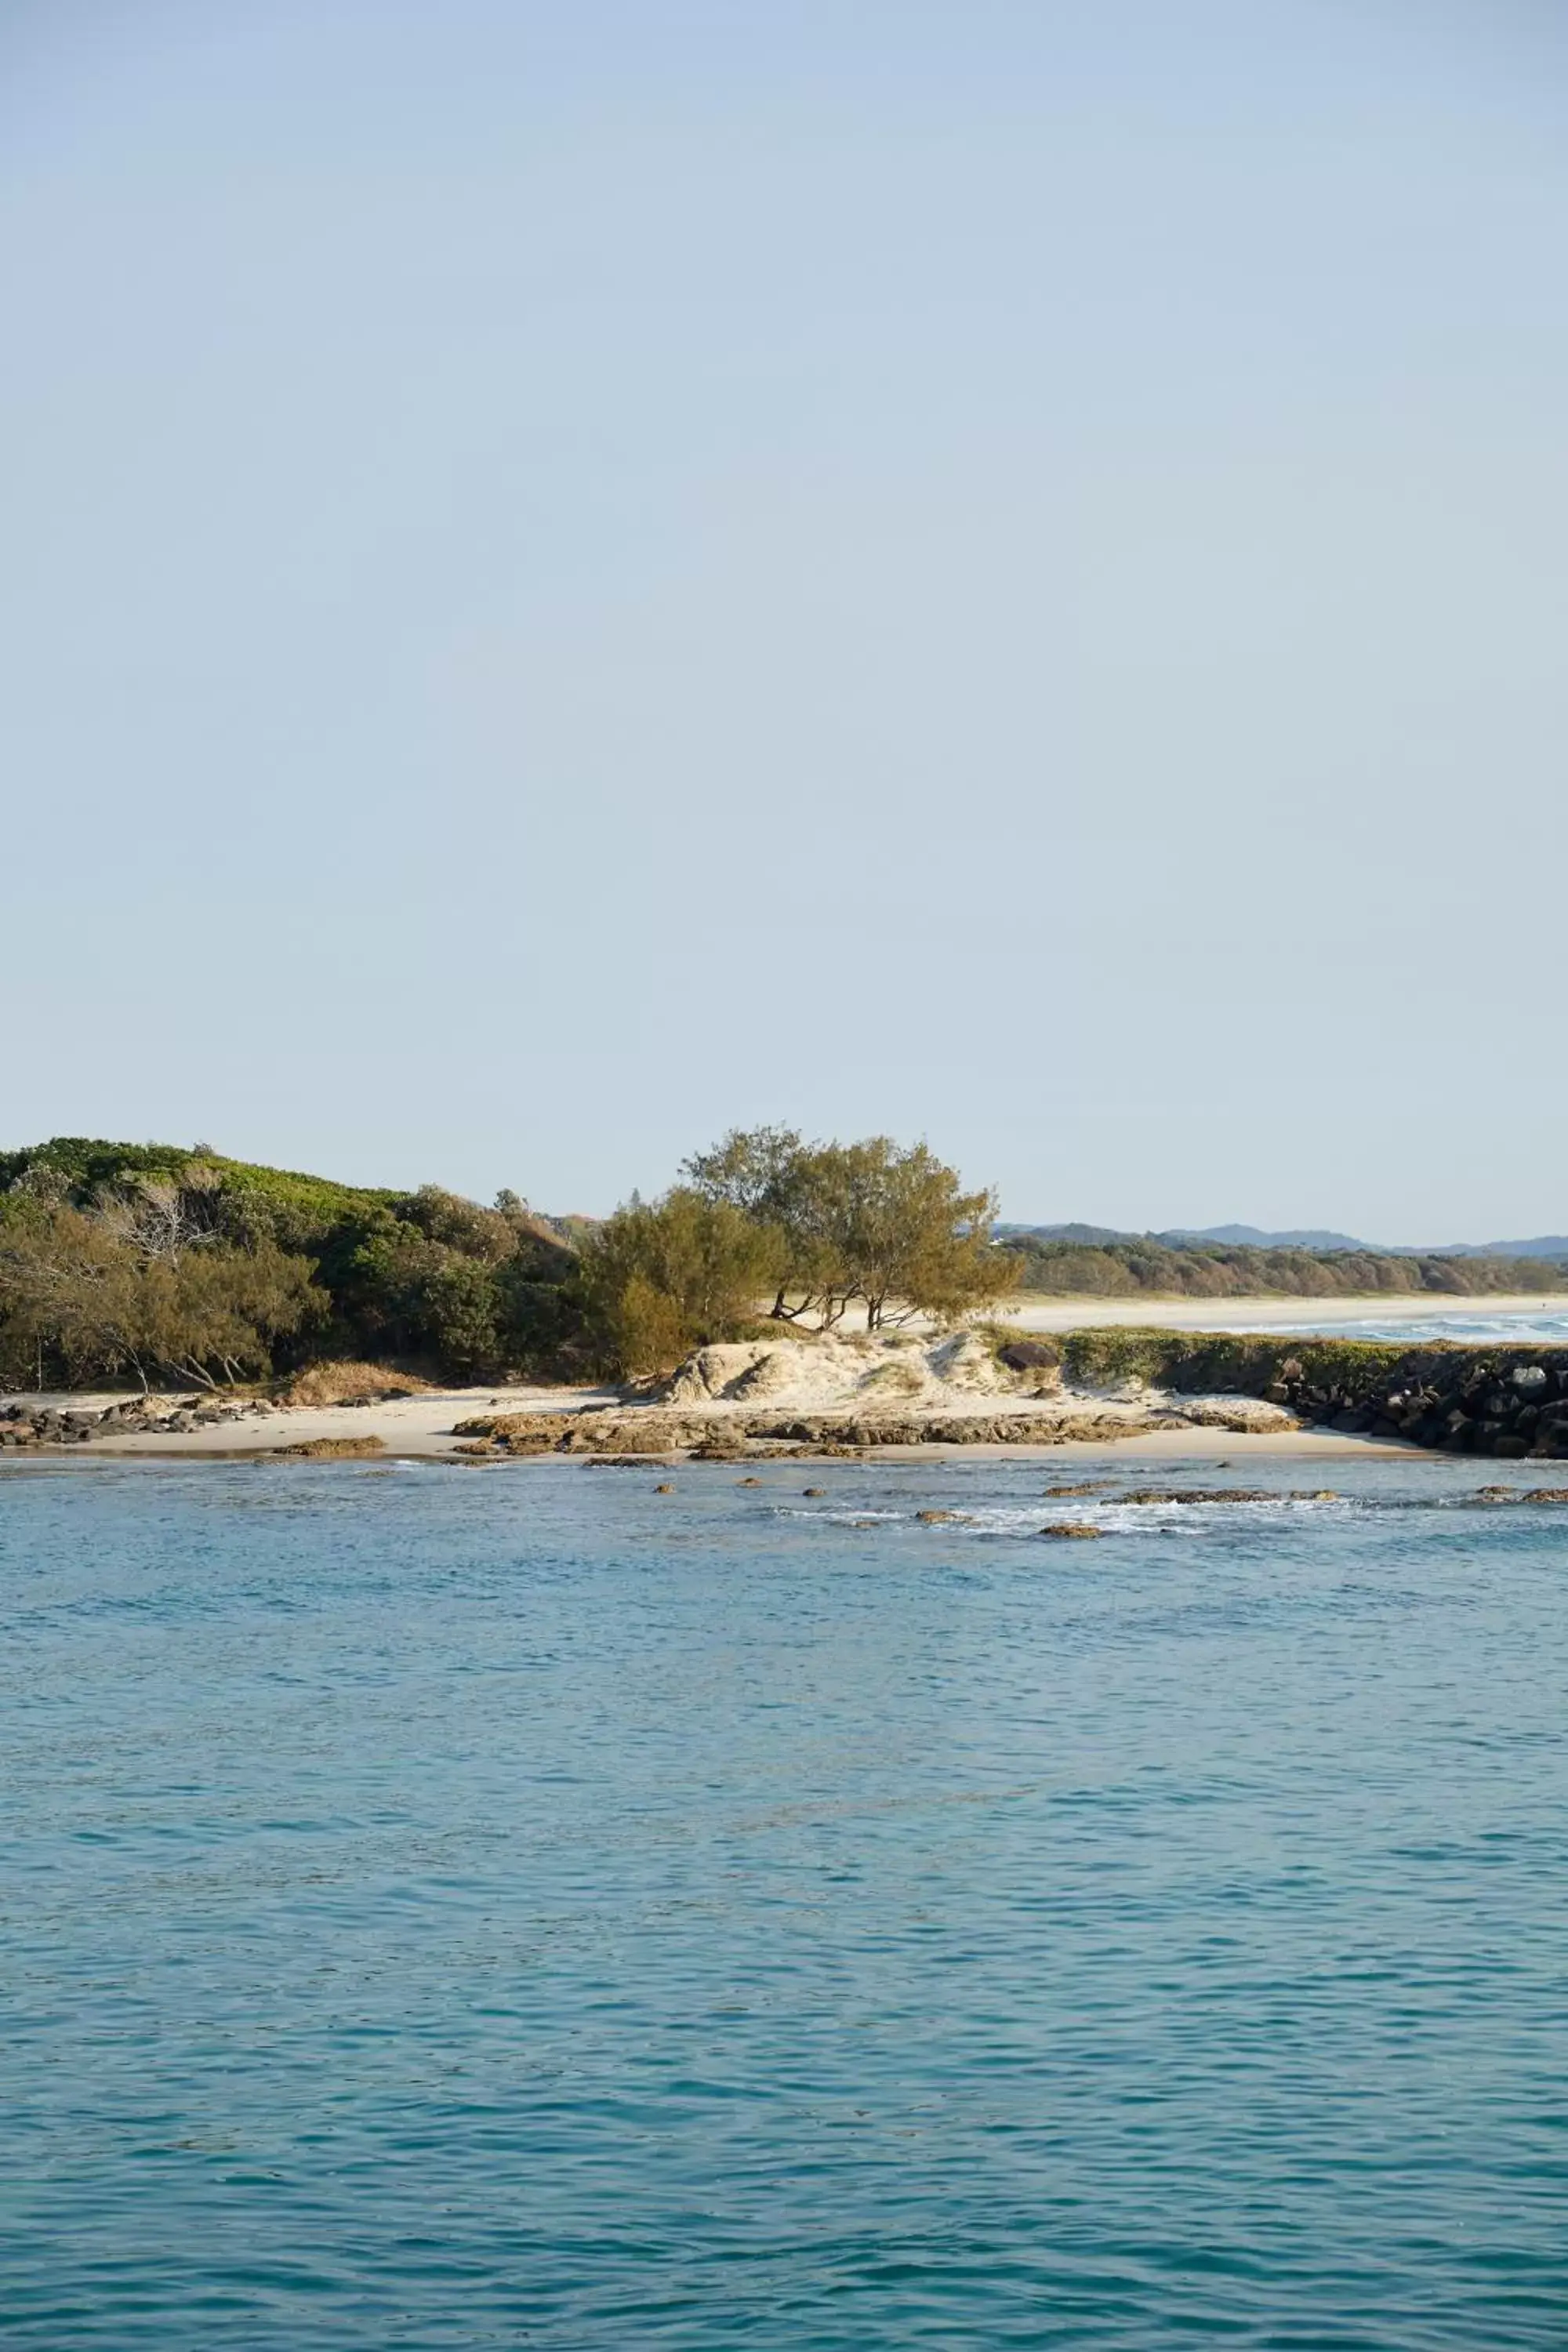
1123,1269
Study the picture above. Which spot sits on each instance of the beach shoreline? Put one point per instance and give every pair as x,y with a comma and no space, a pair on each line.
442,1425
424,1428
1267,1313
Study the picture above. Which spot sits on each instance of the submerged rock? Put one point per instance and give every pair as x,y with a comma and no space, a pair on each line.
1229,1495
330,1449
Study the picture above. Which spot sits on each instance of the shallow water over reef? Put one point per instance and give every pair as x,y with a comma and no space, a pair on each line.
513,1908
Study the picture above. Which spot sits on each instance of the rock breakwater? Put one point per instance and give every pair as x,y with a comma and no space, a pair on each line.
1510,1403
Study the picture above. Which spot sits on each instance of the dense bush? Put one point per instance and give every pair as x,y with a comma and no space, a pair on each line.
143,1261
656,1280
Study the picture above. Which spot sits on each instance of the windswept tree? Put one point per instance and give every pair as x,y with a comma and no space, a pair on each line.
889,1225
135,1283
776,1179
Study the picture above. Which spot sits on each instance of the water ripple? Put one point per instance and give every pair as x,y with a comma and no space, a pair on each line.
514,1912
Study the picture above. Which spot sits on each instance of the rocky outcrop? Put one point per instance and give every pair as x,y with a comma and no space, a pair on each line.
1507,1402
924,1428
1229,1495
31,1426
331,1449
726,1435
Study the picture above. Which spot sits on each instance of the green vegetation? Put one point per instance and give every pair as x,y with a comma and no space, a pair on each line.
657,1281
143,1261
888,1226
1241,1363
147,1262
1123,1269
816,1226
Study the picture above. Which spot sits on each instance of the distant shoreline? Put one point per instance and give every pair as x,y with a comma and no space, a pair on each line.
1269,1311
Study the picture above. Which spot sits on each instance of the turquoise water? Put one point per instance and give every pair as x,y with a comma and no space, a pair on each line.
1357,1317
453,1909
1548,1326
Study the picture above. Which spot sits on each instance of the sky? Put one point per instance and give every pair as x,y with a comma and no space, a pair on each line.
575,576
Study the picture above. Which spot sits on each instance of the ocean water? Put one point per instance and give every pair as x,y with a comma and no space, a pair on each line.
443,1909
1548,1326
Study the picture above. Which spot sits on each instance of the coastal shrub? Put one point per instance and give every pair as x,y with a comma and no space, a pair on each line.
329,1384
1016,1350
659,1278
1242,1362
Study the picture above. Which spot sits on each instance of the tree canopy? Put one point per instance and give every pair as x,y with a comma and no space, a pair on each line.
885,1224
145,1261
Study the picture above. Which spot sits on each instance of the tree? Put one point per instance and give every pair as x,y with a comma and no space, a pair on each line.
890,1226
909,1239
774,1179
657,1279
97,1291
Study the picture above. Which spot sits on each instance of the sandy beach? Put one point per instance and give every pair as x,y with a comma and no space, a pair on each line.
426,1428
414,1426
916,1375
420,1429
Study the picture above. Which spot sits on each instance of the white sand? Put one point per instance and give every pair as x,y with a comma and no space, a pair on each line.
406,1425
889,1376
419,1429
893,1374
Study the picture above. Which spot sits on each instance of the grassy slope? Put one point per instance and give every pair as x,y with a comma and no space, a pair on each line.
87,1162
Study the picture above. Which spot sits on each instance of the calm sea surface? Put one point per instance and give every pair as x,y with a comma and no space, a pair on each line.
454,1909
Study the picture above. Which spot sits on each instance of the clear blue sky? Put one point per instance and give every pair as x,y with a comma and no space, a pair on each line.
573,575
